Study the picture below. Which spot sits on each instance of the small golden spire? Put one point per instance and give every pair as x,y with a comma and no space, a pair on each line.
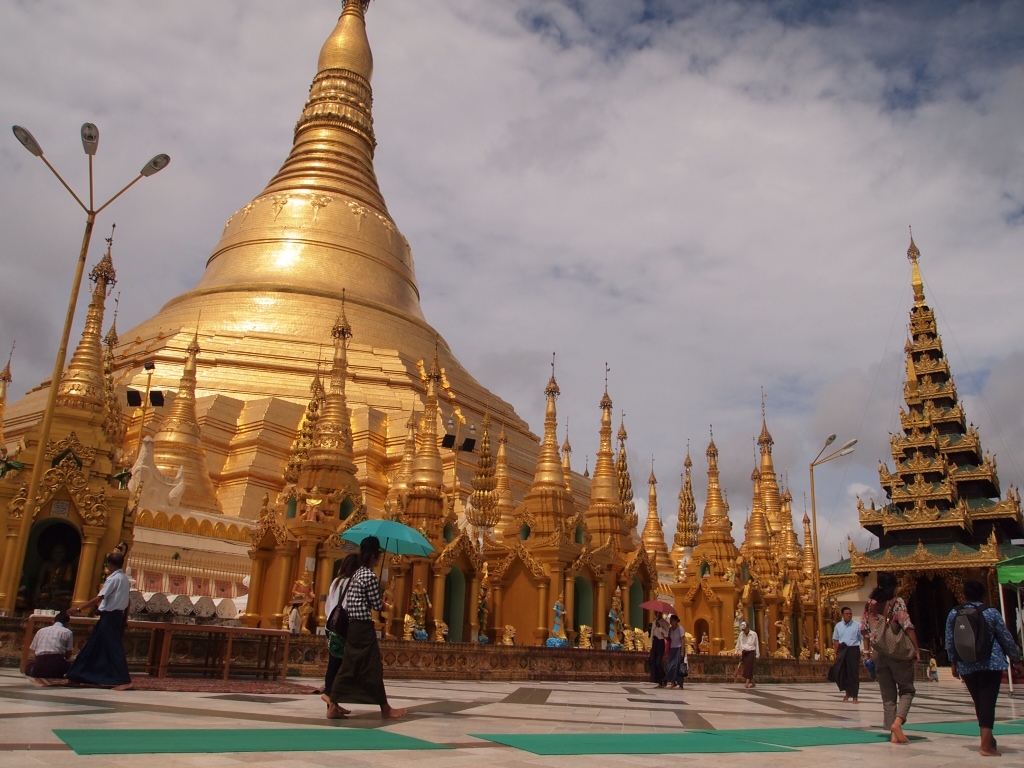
5,379
179,442
83,383
915,272
653,534
483,511
428,469
624,478
686,524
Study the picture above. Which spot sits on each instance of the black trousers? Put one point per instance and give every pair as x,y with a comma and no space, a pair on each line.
984,688
850,659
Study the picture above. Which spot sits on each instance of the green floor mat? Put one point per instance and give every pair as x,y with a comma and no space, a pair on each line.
689,742
216,740
806,737
967,728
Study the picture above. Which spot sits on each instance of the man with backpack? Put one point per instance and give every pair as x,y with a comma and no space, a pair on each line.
978,644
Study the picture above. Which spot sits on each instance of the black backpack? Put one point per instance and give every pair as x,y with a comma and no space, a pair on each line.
972,640
337,622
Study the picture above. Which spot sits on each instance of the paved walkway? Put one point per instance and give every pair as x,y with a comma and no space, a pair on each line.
448,712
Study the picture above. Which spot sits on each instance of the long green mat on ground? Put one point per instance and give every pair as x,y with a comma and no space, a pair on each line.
689,742
966,728
140,741
806,737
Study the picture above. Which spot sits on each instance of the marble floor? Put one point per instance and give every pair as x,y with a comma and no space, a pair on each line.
447,712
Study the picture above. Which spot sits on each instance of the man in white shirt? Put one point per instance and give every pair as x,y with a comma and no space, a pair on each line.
52,647
748,649
846,639
102,661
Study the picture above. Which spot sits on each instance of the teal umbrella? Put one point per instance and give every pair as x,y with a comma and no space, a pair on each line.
396,538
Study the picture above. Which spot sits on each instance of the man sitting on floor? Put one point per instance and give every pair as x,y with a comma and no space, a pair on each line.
52,647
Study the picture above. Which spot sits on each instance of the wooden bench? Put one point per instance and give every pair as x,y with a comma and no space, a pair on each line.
212,647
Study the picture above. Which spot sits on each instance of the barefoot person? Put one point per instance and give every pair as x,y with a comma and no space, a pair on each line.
846,639
52,647
361,677
102,661
748,649
983,677
895,676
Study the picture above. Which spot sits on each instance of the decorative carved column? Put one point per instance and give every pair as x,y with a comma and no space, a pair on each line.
540,634
601,620
438,597
498,613
85,582
251,617
474,602
284,586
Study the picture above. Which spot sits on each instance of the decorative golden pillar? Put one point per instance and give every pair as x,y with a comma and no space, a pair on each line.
251,617
601,620
570,606
322,584
284,587
717,641
438,598
540,634
10,547
474,601
499,618
86,582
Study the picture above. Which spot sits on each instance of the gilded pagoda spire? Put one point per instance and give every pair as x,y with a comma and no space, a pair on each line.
114,426
83,383
807,562
604,486
307,428
547,502
686,523
483,510
403,475
179,443
771,501
757,543
566,462
789,547
653,534
5,379
715,544
427,468
502,485
548,473
942,480
624,478
330,464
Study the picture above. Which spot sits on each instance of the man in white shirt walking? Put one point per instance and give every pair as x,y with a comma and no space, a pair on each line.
102,661
748,649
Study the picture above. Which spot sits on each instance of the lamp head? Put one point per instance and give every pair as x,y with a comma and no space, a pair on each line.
849,444
149,365
155,165
90,138
27,140
831,439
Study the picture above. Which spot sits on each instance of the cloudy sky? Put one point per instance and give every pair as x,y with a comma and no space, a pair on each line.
713,197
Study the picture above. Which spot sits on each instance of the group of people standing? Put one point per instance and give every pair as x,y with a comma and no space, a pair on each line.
667,663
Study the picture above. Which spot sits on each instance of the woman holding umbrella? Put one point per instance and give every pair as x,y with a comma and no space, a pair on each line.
361,677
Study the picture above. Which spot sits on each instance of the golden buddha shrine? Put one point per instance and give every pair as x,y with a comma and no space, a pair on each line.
304,392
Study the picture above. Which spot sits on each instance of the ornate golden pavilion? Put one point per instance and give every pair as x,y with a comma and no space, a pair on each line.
943,521
266,448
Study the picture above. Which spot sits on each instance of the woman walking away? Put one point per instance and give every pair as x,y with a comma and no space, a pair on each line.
984,675
659,634
336,643
361,677
895,676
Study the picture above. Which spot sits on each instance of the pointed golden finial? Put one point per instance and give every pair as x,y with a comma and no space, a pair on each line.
5,379
915,272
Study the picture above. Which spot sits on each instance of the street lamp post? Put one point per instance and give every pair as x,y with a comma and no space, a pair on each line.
15,555
846,450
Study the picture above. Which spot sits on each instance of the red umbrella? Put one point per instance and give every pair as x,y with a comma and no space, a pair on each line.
658,605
